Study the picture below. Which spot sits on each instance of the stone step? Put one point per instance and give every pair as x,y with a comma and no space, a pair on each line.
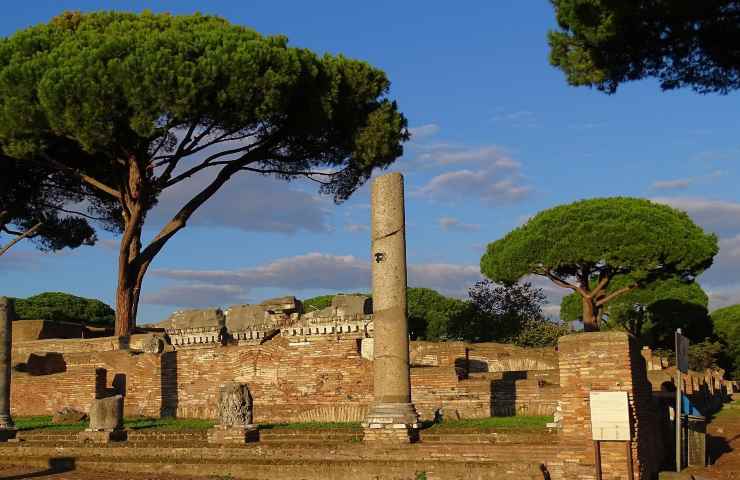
289,436
304,469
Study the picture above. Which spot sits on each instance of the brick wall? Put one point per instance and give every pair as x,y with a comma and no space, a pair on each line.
604,361
323,380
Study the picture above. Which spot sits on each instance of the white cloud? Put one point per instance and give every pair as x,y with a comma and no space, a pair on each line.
17,259
684,183
519,118
423,131
453,224
109,244
248,202
723,296
356,227
679,184
315,271
720,155
488,156
196,296
718,216
450,279
486,185
726,266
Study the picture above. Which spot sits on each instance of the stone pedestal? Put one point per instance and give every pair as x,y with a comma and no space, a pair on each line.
106,421
234,416
392,416
233,435
102,436
7,315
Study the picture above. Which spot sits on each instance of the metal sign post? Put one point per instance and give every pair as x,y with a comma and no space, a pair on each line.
682,366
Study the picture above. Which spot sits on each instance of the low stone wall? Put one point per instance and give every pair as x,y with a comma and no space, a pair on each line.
483,357
324,380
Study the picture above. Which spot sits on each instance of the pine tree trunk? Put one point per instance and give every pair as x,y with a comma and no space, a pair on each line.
125,307
590,319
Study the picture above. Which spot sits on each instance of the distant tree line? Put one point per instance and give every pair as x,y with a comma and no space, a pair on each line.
492,313
63,307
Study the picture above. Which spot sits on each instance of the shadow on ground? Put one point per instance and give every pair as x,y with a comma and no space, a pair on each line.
56,465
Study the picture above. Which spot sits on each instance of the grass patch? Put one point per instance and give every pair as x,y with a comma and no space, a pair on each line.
311,426
43,422
731,409
496,422
168,423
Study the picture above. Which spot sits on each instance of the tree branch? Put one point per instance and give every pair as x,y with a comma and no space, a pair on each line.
562,283
604,279
27,234
85,178
615,294
209,162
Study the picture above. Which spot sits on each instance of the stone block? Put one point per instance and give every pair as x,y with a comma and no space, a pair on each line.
349,305
106,414
197,318
246,317
234,405
68,416
284,305
102,437
220,435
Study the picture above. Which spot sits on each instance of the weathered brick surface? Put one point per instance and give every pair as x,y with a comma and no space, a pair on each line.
323,380
54,380
604,361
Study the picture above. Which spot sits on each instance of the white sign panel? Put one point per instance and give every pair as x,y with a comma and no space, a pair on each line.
610,416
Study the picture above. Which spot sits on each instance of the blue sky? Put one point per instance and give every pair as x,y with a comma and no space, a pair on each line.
498,136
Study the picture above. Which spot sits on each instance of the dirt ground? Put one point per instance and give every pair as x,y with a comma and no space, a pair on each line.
724,447
59,473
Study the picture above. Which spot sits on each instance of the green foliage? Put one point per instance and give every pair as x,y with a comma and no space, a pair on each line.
519,421
539,332
137,103
44,422
593,242
114,84
168,423
603,43
727,328
705,354
432,315
64,307
317,303
652,313
32,200
507,314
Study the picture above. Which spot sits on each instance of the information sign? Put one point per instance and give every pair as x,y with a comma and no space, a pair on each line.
610,418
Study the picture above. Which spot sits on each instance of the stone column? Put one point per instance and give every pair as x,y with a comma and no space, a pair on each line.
392,416
7,315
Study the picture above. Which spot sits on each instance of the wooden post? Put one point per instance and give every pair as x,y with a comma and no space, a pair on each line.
630,468
597,454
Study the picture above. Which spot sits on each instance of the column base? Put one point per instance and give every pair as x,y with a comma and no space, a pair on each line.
233,435
103,436
392,422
